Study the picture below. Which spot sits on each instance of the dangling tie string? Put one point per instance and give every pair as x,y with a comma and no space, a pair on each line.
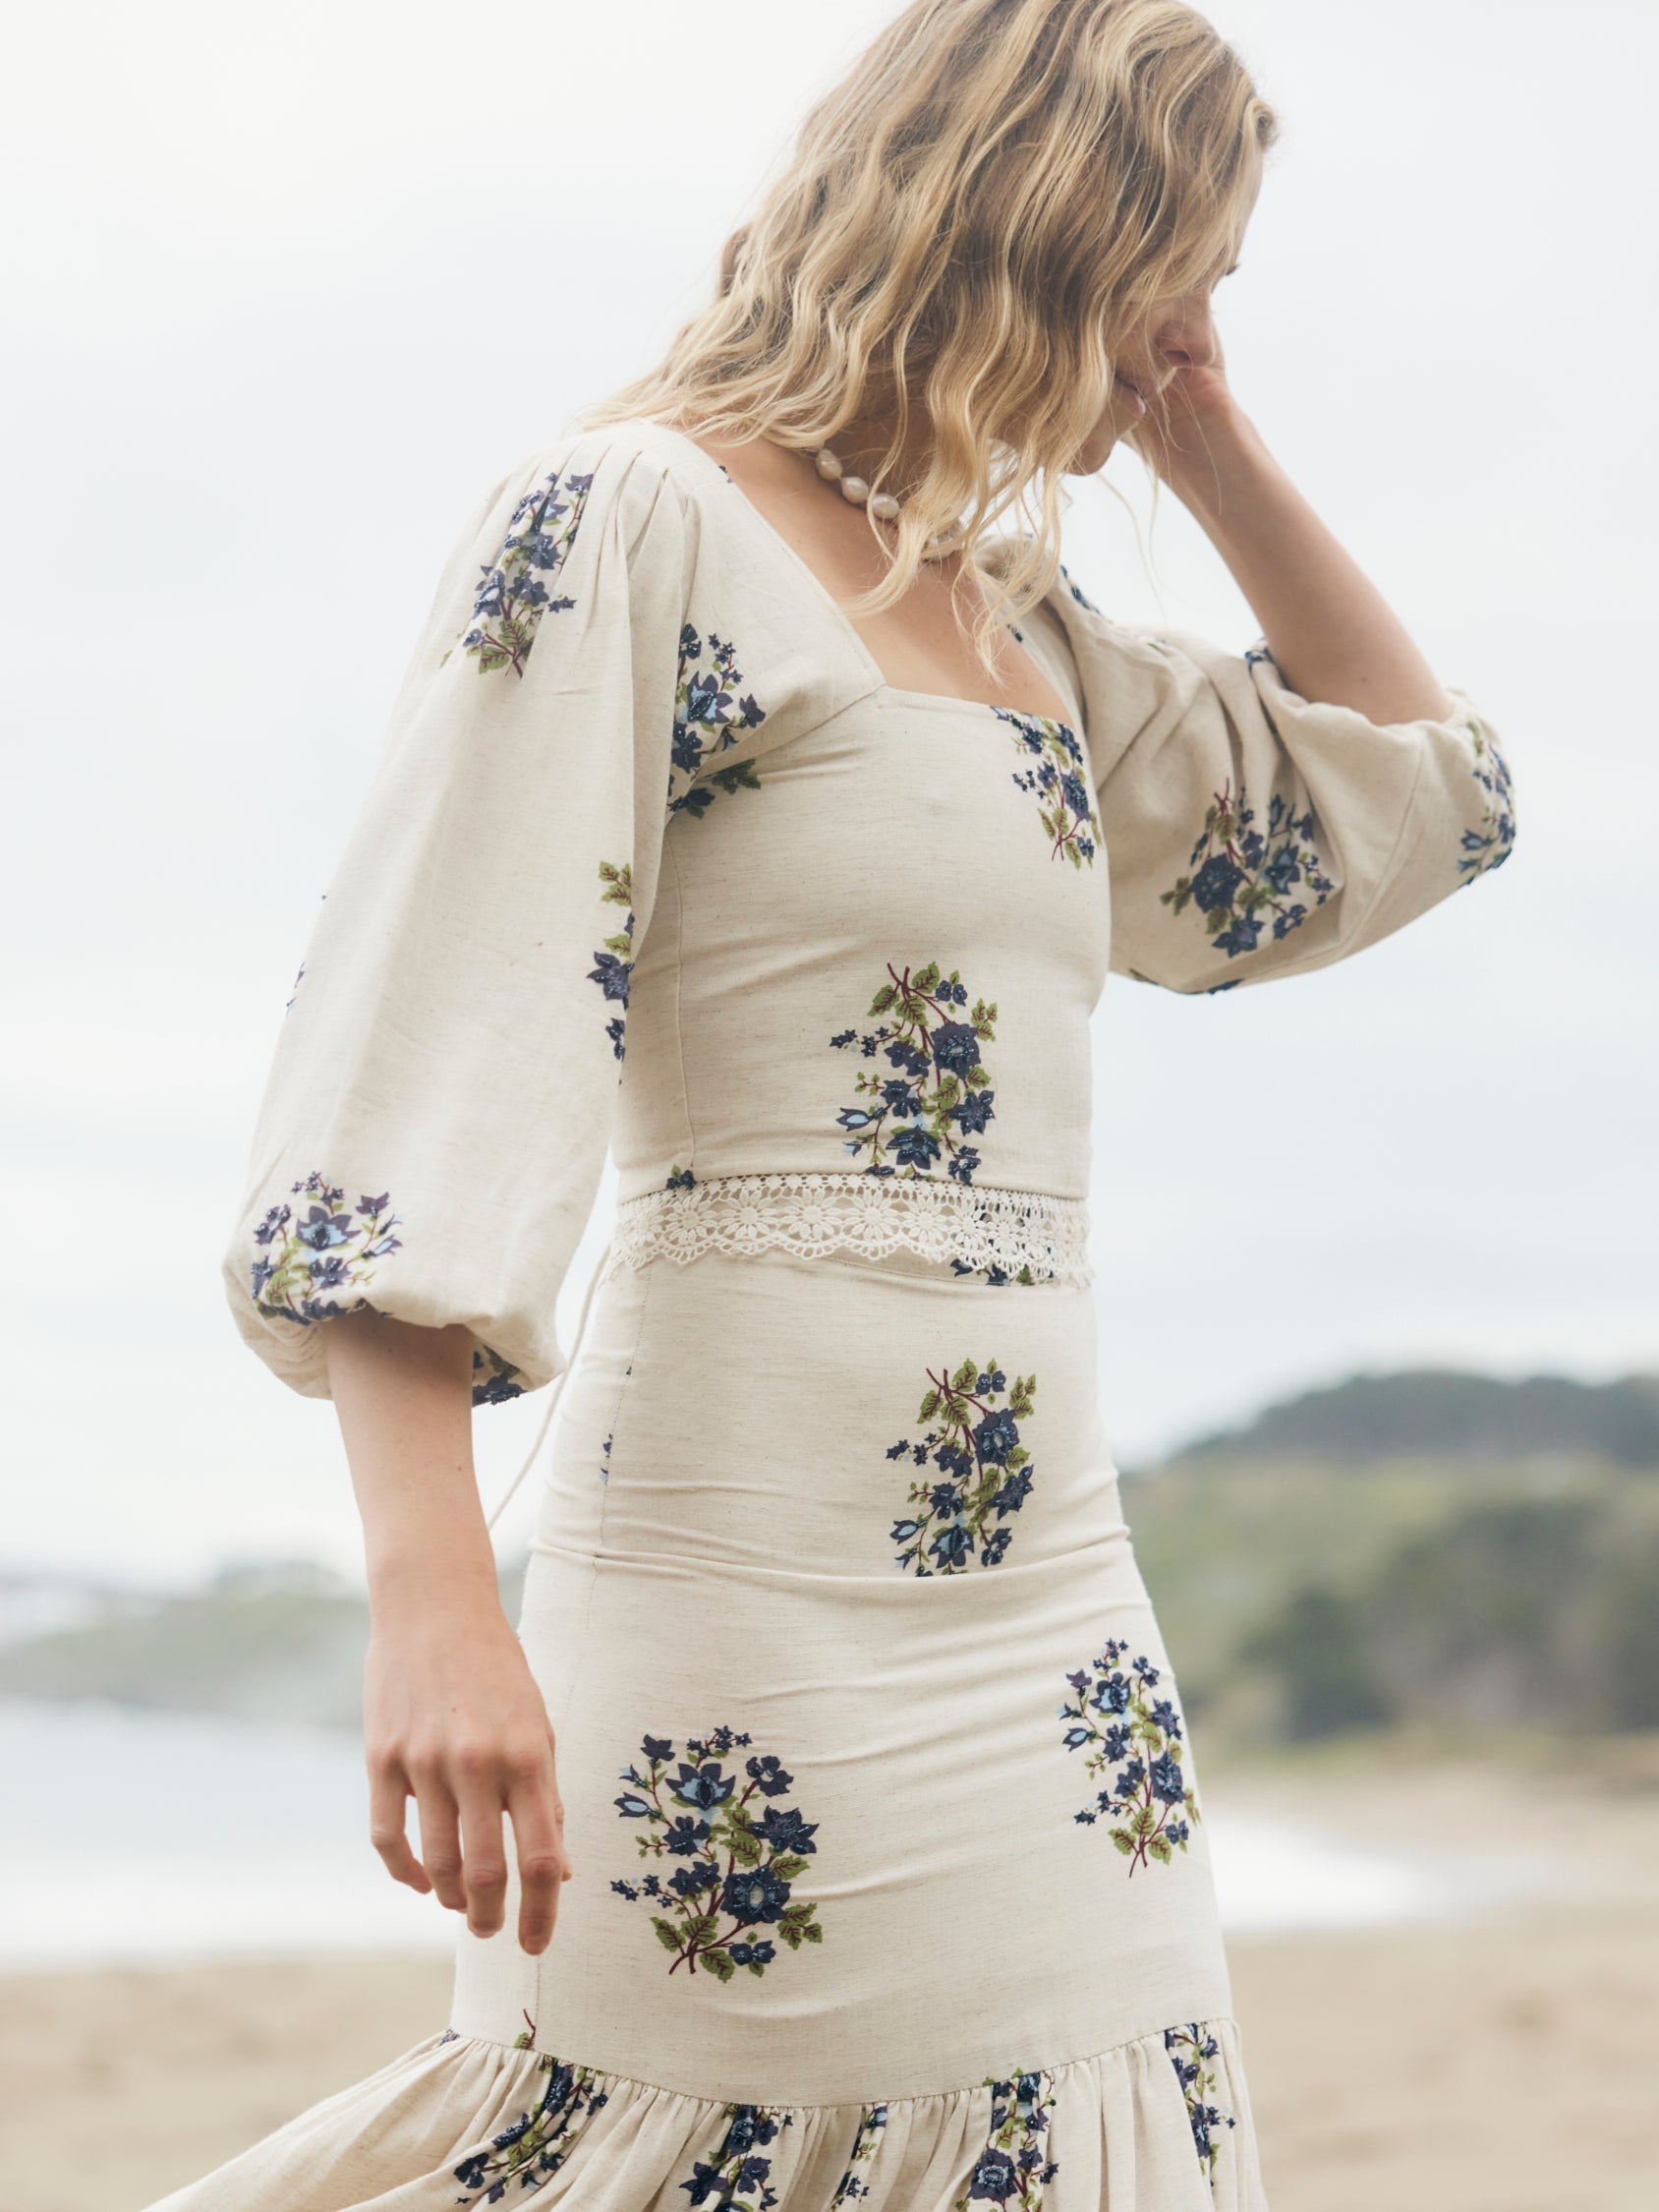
554,1388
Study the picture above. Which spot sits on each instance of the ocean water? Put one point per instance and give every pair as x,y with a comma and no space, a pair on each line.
154,1837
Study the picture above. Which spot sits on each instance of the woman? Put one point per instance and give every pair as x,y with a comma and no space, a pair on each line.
749,808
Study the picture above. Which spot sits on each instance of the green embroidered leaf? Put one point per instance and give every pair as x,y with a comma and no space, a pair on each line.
1144,1820
667,1935
790,1934
788,1866
717,1963
1125,1842
883,998
743,1844
813,1934
926,979
930,1406
1158,1847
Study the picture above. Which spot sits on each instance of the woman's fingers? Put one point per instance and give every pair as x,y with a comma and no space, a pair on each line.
485,1870
538,1836
388,1790
440,1838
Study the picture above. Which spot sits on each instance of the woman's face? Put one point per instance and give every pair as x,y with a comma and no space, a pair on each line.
1175,338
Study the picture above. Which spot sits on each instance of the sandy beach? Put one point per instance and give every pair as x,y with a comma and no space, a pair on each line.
1508,2065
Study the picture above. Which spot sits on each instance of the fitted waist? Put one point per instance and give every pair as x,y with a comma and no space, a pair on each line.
997,1235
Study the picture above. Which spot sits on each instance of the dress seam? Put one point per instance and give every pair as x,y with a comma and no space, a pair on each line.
822,2104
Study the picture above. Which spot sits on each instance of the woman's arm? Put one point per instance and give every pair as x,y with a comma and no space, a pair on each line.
1333,635
452,1715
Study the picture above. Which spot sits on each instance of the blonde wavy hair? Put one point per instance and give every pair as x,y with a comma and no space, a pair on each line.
972,223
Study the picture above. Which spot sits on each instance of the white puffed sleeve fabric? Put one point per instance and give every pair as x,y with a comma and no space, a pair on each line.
436,1122
1252,834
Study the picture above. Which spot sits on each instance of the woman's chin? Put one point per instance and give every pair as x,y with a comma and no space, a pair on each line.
1096,450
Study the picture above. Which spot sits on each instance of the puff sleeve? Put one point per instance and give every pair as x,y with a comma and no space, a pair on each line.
436,1121
1252,834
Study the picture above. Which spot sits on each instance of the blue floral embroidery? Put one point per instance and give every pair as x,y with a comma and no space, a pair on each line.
738,2180
1078,594
1059,779
536,2144
1189,2049
1116,1718
513,594
613,966
1241,880
939,1094
872,2121
708,717
680,1179
494,1379
1013,2168
985,1471
1489,845
321,1246
709,1912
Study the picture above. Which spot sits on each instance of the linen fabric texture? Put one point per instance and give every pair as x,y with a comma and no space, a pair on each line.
894,1880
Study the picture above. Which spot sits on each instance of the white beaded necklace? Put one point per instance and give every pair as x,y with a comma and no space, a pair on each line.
854,487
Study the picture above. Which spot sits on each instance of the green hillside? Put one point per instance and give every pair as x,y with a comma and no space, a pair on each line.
1443,1414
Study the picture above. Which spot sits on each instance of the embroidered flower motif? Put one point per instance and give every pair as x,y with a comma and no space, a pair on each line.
1489,845
939,1094
680,1179
1123,1727
985,1471
739,2178
1242,879
1011,2169
613,966
1189,2049
708,717
865,2144
494,1379
321,1246
1060,777
536,2144
736,1871
513,594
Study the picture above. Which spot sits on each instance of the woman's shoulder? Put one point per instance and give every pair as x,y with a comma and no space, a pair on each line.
633,458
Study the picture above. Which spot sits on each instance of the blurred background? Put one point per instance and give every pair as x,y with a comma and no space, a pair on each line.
283,294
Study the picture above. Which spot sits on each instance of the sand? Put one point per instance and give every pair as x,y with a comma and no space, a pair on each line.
1507,2066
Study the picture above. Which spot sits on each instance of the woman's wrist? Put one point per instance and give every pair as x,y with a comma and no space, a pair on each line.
415,1577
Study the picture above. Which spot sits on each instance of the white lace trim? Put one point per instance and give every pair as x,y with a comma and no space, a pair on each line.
979,1231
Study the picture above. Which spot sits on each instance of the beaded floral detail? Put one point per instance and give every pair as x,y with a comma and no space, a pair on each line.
536,2144
494,1379
1014,2168
1190,2049
1008,1236
515,593
1489,844
736,1871
738,2178
855,2182
1242,879
960,1517
318,1248
1059,776
709,719
1136,1742
613,962
938,1096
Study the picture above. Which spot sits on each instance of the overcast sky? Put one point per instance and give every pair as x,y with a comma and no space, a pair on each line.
285,290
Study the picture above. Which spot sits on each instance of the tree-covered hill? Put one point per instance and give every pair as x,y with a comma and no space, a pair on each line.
1443,1414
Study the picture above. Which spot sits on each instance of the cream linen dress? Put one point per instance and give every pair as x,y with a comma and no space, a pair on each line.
894,1883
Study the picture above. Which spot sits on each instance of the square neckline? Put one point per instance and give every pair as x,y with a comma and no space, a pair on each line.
822,592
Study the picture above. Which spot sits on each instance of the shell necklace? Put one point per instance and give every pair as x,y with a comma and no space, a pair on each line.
854,487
